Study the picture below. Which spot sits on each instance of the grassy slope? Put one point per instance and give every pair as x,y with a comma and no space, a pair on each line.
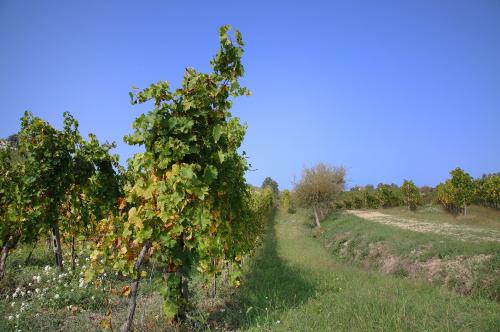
477,216
294,284
404,241
481,279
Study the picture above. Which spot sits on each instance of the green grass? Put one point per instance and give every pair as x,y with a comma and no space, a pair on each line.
89,305
477,216
294,284
402,241
350,238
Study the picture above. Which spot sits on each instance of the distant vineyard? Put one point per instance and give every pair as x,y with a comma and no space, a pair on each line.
455,194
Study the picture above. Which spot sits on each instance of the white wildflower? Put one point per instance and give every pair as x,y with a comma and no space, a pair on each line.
10,318
56,296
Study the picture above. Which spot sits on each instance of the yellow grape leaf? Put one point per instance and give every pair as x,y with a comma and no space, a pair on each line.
89,275
125,291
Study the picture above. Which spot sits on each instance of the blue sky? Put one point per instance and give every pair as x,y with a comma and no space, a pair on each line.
389,89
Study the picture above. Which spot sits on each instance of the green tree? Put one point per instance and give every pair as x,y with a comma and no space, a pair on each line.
389,195
269,182
487,190
46,155
285,201
94,187
411,194
11,198
319,186
186,202
464,186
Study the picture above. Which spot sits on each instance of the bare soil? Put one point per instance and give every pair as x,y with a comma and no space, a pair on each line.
460,232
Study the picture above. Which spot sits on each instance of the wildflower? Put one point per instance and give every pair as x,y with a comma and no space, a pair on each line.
82,283
56,296
93,297
22,294
13,304
10,318
277,322
29,284
37,290
17,316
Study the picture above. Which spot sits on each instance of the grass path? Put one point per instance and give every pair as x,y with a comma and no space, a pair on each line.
461,232
293,284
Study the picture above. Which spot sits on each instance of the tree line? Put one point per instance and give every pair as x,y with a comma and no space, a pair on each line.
321,188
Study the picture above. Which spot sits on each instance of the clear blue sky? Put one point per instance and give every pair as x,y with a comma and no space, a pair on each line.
389,89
